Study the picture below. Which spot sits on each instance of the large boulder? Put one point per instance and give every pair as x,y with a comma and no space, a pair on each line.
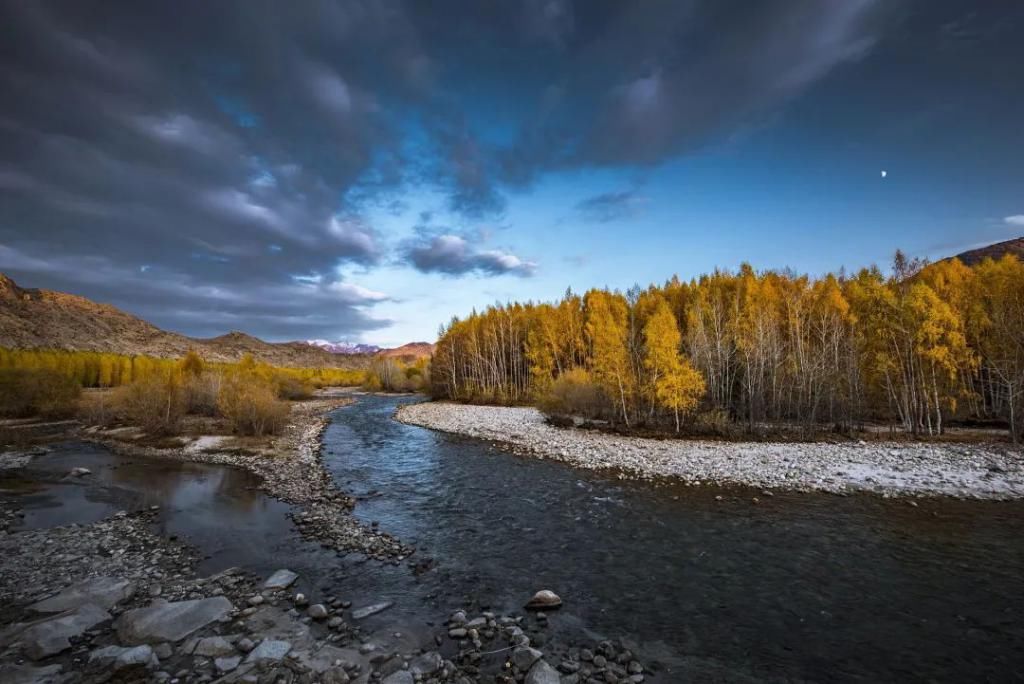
51,636
105,592
163,621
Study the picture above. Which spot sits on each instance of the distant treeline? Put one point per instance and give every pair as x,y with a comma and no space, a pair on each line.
98,369
914,348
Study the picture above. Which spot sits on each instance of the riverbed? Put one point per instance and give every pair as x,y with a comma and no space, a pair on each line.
704,582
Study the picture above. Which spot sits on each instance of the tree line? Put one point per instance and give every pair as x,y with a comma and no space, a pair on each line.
916,347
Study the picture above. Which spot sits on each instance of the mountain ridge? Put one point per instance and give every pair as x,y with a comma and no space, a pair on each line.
36,318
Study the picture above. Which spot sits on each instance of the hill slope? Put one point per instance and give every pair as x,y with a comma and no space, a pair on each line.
36,318
994,251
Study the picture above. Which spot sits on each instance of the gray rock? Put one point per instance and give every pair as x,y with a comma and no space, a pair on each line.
79,472
400,677
524,658
336,675
426,664
213,647
163,621
361,613
245,644
105,592
114,658
317,611
227,664
544,599
51,636
26,674
282,579
269,650
542,673
163,651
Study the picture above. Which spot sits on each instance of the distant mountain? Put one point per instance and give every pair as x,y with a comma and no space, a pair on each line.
994,251
410,352
344,347
45,319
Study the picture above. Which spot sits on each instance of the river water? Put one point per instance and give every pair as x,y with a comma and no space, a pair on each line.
797,587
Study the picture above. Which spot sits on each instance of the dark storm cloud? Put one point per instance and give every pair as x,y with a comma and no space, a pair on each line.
190,160
611,206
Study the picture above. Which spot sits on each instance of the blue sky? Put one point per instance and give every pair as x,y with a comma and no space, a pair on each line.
364,171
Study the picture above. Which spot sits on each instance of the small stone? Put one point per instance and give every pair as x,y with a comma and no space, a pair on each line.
457,633
545,598
245,644
317,611
301,600
255,600
163,651
335,622
115,658
542,673
79,472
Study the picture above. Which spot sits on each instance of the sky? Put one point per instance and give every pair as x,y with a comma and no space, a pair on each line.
364,171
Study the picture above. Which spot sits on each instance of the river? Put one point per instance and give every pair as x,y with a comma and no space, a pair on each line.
797,587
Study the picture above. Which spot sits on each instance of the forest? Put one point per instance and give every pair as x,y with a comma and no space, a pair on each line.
917,348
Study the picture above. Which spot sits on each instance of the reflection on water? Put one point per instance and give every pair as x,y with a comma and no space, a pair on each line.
815,587
218,509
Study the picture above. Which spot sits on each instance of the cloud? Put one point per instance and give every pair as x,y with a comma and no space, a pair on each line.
611,206
1015,220
267,150
455,255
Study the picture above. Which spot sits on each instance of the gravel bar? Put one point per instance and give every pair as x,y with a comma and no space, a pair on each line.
975,471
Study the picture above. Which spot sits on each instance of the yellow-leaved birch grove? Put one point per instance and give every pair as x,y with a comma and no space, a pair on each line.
916,349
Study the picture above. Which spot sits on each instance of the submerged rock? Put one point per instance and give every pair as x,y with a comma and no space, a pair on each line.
281,579
361,613
163,621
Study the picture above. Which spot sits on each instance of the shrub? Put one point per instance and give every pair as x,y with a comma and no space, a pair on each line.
251,405
155,403
201,393
41,392
291,387
574,393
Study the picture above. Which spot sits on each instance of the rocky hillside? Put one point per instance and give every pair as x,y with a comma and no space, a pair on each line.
993,251
410,352
36,318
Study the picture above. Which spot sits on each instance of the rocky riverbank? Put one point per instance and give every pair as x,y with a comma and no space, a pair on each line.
112,601
987,471
290,470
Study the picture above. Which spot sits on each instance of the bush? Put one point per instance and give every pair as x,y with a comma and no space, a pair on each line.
291,387
251,405
573,393
155,403
41,392
201,392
